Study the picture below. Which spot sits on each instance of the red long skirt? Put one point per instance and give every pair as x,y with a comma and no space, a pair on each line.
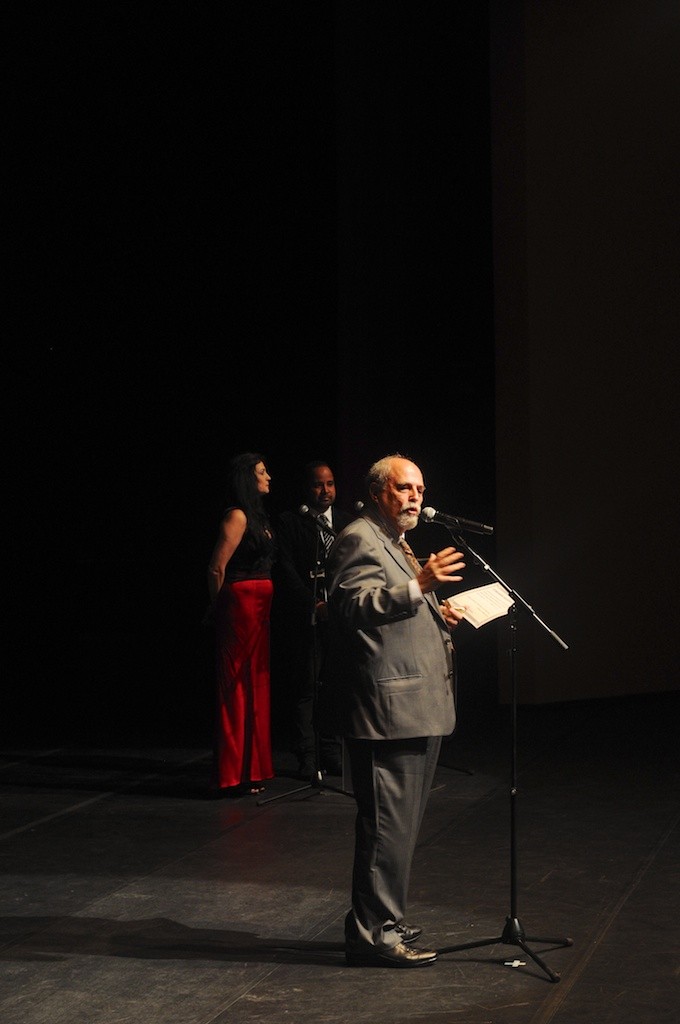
243,751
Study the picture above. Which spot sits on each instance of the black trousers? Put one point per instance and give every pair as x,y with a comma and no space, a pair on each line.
307,662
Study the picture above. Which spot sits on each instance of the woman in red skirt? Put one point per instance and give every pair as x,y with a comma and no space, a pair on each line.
240,588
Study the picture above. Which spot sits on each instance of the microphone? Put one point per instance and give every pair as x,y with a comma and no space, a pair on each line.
320,521
431,515
358,505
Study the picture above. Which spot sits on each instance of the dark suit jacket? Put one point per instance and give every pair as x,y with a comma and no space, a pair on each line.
297,558
388,670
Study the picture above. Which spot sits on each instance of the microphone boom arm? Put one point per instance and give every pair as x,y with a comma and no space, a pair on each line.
517,598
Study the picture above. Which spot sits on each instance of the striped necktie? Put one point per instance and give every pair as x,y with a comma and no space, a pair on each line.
410,557
326,537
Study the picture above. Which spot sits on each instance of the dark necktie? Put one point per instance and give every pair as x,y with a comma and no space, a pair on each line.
410,557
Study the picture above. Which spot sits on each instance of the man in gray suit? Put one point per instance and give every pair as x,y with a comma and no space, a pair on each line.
388,682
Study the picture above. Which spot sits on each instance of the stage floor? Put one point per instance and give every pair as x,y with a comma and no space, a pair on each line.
128,897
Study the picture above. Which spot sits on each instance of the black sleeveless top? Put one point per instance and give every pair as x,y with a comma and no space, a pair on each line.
253,558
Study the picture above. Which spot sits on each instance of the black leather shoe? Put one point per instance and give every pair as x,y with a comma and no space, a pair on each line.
408,932
400,955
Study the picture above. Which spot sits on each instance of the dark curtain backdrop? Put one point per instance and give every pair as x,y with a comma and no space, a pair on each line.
260,226
586,137
335,229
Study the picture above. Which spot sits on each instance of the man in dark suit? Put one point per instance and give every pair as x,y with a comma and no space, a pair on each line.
388,678
300,612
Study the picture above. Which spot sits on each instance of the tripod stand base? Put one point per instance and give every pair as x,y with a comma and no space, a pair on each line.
513,935
316,787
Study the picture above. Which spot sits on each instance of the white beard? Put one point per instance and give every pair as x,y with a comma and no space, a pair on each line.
407,520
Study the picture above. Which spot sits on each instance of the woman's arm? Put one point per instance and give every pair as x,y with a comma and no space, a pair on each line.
232,528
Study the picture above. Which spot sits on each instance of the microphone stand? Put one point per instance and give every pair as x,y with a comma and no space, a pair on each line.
513,933
316,785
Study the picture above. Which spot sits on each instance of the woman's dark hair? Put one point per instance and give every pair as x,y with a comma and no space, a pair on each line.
242,492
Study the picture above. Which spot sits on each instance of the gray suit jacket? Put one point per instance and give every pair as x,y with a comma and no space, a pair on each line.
388,672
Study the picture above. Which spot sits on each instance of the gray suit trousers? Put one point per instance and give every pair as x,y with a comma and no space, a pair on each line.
391,780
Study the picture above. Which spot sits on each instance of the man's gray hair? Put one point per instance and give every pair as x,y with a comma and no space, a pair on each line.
379,473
